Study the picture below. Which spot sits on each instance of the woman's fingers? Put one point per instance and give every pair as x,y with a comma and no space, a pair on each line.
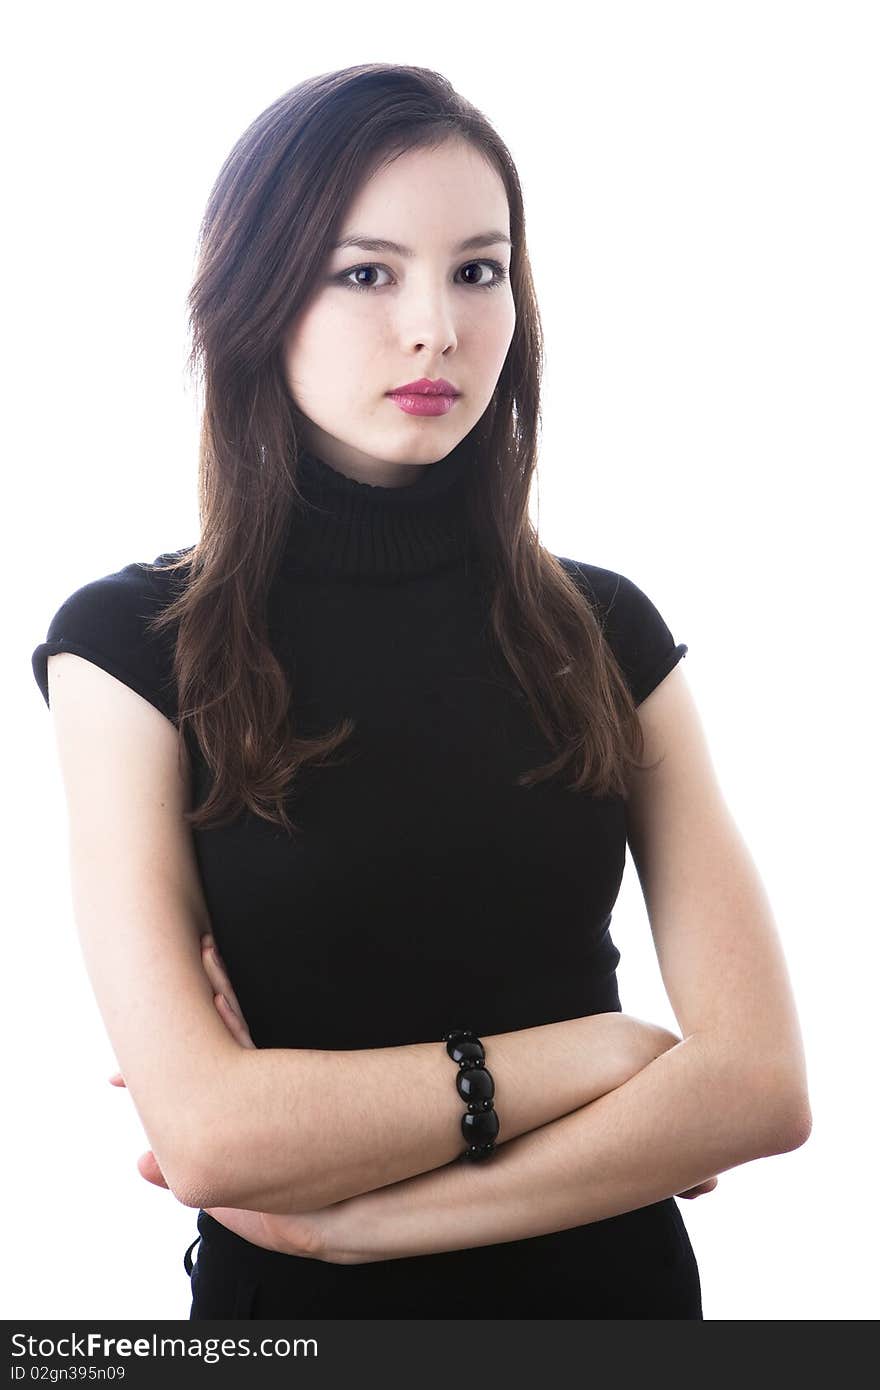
148,1167
708,1186
224,995
217,974
234,1023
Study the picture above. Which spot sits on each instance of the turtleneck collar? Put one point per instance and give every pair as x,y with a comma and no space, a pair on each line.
352,529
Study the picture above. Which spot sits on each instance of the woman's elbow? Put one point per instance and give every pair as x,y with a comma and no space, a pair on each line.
178,1172
799,1122
788,1116
196,1162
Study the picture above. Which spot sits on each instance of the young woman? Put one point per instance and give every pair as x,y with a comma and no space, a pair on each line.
387,751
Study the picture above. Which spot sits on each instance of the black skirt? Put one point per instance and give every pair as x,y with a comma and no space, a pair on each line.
637,1265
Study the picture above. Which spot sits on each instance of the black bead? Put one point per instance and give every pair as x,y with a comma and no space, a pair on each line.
475,1083
467,1049
479,1128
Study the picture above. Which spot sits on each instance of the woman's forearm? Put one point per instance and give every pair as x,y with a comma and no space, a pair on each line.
298,1129
686,1116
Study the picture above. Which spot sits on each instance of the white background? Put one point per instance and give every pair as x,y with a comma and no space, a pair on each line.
702,213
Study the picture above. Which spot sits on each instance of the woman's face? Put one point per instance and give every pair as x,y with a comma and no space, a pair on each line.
428,314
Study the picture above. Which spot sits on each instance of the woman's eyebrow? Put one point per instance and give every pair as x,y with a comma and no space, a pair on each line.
470,243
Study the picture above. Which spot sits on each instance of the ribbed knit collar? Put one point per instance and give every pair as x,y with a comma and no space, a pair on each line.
358,529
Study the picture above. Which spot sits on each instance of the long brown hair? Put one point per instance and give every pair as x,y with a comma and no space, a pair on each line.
267,231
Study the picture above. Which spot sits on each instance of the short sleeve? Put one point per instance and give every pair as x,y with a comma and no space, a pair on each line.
634,628
105,621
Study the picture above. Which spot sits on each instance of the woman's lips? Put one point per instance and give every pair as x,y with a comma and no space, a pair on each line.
422,405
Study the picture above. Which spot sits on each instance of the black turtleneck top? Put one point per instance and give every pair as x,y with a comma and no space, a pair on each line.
425,889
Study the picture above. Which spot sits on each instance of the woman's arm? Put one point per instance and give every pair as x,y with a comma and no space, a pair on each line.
687,1115
269,1129
308,1128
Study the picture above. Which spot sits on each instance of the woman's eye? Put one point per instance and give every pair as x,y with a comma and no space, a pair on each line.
497,277
362,270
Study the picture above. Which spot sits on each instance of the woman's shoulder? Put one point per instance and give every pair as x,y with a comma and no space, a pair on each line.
631,622
603,585
105,619
119,601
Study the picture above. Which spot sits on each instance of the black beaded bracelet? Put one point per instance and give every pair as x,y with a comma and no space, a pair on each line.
475,1085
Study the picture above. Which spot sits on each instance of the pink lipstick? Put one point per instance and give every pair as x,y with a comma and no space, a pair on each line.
425,397
423,405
